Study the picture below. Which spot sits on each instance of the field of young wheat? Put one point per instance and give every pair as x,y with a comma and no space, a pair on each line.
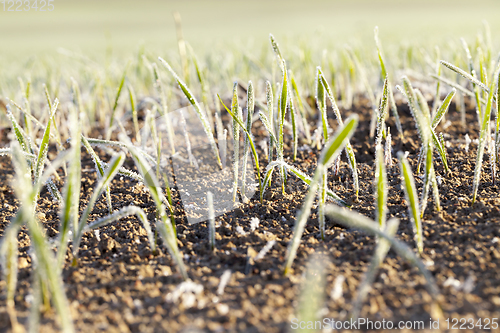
224,191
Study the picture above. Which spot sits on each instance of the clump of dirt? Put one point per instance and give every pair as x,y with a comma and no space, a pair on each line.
120,286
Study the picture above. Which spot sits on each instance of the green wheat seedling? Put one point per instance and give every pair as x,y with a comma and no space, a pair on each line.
484,117
411,196
55,131
21,136
358,221
312,295
268,120
252,146
115,104
301,111
381,114
421,113
164,108
133,107
197,108
283,102
246,150
9,263
100,167
380,187
8,243
456,86
384,76
103,183
43,258
436,119
163,224
381,251
200,74
437,97
118,144
348,148
236,110
330,151
302,176
484,134
321,104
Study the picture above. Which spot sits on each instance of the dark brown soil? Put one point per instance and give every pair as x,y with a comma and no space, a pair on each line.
120,286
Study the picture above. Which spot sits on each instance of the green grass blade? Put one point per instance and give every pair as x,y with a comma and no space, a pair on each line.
381,114
42,152
118,144
18,131
301,109
380,188
358,221
236,110
294,128
312,296
270,115
443,109
165,226
267,125
283,103
110,173
321,103
197,108
163,107
168,234
465,75
45,261
380,54
268,174
349,151
117,98
9,263
68,215
133,106
306,179
330,151
484,133
381,251
456,86
417,113
411,196
54,191
100,167
276,49
250,111
123,212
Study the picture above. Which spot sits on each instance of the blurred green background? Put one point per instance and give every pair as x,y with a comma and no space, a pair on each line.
96,27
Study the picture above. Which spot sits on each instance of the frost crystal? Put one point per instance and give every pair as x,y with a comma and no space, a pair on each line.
264,250
240,231
224,279
186,292
467,142
336,293
254,223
